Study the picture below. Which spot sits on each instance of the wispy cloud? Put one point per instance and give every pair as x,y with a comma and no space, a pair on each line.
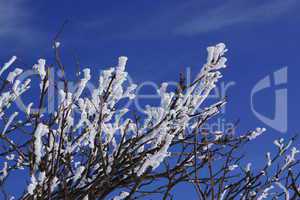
195,17
183,18
234,12
15,19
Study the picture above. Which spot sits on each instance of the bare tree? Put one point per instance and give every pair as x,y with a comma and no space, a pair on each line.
91,147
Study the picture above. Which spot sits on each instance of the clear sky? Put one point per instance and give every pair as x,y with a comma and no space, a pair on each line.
162,39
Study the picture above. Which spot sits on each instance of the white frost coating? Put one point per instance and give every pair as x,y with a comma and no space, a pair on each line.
210,51
92,136
215,53
12,75
40,68
187,104
279,144
207,147
82,83
98,115
248,167
122,63
265,193
155,159
232,167
78,173
86,197
20,162
10,120
290,158
258,131
57,44
8,64
38,145
54,183
286,192
223,195
4,172
218,135
31,187
28,109
6,98
252,194
42,177
269,159
87,73
122,196
10,157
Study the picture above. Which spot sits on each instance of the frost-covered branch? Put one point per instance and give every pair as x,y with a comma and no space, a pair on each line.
90,147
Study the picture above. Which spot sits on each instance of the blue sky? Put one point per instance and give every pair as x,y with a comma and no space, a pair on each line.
162,38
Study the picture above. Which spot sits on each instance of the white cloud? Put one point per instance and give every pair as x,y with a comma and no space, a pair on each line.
195,17
231,13
14,19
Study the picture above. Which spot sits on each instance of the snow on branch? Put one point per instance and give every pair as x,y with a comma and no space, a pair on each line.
90,147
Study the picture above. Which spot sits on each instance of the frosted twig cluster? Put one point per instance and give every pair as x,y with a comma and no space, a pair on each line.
91,147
